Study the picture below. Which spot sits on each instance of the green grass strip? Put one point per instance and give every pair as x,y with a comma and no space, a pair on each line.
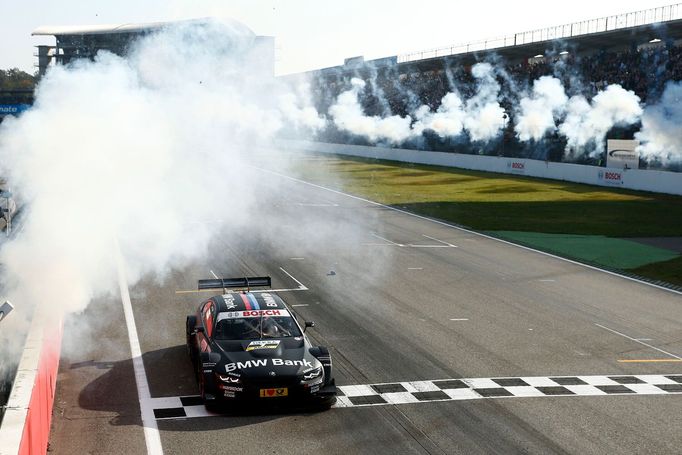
609,252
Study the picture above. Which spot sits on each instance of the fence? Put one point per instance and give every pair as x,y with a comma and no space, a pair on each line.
603,24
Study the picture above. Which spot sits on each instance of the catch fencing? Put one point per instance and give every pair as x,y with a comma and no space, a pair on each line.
600,25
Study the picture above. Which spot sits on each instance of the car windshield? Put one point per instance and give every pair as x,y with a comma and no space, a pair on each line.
256,328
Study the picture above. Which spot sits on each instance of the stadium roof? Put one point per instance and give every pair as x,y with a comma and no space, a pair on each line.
94,29
60,30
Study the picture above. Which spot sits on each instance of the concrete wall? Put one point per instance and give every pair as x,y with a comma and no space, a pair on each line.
634,179
26,426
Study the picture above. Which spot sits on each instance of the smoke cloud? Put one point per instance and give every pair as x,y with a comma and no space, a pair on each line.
545,110
348,115
484,118
297,107
589,122
481,116
447,121
149,151
661,135
539,112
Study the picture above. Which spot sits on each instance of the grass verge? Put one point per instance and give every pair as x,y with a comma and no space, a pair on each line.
525,206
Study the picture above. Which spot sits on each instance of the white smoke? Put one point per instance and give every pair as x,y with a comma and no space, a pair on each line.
546,110
661,133
348,116
538,113
589,122
447,121
147,149
297,107
484,118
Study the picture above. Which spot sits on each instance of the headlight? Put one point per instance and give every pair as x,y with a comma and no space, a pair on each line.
229,379
316,373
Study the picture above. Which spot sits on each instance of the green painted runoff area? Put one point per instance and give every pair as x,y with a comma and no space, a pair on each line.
583,222
609,252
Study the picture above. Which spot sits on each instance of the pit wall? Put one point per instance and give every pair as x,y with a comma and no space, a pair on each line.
633,179
26,426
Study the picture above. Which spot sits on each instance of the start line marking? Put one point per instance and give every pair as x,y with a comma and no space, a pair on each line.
351,396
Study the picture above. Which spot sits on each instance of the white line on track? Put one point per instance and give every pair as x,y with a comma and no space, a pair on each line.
151,430
301,286
386,240
639,341
214,275
443,223
459,319
440,241
310,204
299,304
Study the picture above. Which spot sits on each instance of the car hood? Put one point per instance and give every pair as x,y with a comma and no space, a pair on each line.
260,358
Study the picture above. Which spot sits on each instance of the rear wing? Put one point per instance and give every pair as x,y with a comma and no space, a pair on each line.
226,283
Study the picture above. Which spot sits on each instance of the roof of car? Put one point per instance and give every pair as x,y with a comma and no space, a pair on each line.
242,301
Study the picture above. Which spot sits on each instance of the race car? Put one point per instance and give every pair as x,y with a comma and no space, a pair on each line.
249,347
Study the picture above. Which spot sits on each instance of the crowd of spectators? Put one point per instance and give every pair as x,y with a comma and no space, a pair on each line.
401,89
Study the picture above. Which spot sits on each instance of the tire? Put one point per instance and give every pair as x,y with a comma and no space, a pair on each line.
325,404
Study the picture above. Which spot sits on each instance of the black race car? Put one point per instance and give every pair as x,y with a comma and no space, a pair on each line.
248,346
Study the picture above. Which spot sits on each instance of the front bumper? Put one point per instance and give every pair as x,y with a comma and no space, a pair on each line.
249,391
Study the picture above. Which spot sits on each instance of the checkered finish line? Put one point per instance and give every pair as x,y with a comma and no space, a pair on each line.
460,389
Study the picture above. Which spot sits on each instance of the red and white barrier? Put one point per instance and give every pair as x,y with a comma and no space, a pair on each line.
26,425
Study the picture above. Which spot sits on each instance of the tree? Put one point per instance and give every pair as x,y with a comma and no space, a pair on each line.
16,79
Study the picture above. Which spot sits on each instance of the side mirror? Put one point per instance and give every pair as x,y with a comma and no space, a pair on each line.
308,324
199,329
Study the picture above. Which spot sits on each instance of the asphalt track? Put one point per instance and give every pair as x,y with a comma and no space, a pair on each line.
398,300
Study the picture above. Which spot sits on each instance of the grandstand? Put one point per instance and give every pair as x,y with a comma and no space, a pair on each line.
641,51
84,42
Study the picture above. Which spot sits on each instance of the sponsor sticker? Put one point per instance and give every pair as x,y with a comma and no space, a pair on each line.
517,166
259,363
252,314
230,388
610,176
262,344
229,301
274,393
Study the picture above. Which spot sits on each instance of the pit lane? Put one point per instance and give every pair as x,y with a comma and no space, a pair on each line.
392,312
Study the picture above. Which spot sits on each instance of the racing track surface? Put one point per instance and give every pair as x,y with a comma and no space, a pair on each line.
409,300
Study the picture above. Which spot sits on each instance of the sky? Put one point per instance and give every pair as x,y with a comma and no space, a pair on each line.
311,34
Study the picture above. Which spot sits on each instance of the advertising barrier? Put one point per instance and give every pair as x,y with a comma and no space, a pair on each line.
622,154
633,179
26,425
